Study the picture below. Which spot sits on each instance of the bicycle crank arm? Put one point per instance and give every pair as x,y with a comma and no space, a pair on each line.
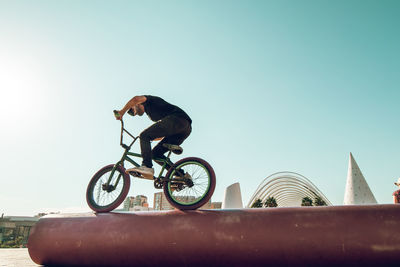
140,176
136,174
108,187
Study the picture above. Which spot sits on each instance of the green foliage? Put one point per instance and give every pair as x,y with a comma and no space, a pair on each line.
257,204
306,201
271,203
17,243
318,201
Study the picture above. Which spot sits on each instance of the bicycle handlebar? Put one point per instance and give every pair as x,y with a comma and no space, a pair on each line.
117,115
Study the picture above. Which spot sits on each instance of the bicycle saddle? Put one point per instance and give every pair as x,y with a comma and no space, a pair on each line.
174,148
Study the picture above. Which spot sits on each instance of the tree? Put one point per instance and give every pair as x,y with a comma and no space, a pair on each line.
13,243
257,204
318,201
306,201
271,203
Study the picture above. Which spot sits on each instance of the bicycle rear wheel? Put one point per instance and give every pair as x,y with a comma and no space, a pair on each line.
186,196
102,197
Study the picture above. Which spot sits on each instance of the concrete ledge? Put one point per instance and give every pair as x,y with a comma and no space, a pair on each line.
306,236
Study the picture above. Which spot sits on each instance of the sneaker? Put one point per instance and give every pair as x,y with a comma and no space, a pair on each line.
146,172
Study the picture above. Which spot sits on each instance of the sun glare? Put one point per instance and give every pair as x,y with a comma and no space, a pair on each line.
21,95
20,92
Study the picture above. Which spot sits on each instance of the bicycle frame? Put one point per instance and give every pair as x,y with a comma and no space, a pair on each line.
127,157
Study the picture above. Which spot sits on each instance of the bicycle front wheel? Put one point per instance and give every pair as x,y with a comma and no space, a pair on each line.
104,196
193,195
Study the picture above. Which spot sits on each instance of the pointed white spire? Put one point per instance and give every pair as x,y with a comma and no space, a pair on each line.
357,190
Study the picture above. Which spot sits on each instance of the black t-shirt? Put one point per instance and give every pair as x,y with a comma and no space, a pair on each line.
157,108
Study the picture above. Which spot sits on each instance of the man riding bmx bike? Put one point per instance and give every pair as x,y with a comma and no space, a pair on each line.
171,123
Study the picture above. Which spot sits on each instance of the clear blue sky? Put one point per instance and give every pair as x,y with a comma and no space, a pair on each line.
270,85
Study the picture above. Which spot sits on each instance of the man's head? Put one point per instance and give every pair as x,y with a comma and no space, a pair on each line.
138,109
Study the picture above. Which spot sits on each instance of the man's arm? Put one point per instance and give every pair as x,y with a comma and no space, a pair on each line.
131,103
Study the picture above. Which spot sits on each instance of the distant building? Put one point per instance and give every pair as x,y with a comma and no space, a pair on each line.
216,205
160,202
288,188
232,197
128,202
357,191
141,201
207,206
15,229
138,203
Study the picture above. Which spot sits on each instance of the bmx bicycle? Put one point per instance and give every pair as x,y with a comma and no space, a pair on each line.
188,184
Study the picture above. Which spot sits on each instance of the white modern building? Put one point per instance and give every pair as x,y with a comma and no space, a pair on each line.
232,197
288,188
357,191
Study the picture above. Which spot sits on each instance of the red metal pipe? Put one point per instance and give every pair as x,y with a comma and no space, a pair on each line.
324,236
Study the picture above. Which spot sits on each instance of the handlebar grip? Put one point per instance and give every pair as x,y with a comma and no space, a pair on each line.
116,114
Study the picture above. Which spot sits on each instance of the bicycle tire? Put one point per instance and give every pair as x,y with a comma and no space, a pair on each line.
120,196
206,195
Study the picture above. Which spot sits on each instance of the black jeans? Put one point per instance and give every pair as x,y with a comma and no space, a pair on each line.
174,129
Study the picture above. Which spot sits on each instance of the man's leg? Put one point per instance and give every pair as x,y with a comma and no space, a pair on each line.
157,130
176,139
174,130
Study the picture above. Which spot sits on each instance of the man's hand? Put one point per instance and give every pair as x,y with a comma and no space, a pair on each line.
131,105
118,115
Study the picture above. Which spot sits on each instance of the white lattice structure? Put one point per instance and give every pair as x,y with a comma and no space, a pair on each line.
357,190
288,188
